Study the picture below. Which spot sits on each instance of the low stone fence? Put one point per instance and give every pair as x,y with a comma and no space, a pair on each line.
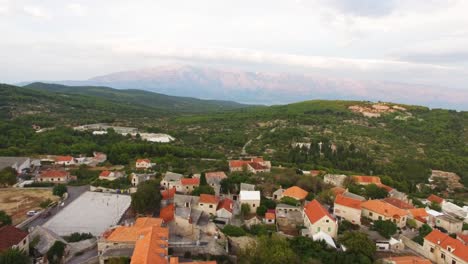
414,246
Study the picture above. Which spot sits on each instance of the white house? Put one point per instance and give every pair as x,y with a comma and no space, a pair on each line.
143,164
317,218
252,198
65,160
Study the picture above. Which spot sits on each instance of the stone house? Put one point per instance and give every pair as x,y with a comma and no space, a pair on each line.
12,237
54,176
443,249
252,198
348,208
379,210
317,218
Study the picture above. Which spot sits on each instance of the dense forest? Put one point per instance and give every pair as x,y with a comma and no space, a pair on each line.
403,145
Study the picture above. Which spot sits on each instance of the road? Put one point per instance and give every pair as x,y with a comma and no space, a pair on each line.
83,257
73,193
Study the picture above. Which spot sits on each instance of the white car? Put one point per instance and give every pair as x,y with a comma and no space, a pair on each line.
31,213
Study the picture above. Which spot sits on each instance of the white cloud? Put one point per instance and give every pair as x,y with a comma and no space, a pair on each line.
36,11
76,9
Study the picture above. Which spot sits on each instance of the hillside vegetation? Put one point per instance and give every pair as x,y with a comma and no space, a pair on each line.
403,143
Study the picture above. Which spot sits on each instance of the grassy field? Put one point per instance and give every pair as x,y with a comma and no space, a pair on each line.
17,202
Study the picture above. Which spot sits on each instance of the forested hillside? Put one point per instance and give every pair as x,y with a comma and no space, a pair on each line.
403,144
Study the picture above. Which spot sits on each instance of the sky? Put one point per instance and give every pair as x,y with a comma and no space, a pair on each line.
410,41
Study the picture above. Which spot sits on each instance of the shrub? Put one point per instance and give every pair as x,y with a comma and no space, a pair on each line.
75,237
234,231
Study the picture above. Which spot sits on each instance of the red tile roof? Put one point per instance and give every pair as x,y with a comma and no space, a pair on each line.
418,212
408,260
10,236
105,173
383,208
226,204
366,179
296,193
445,241
315,211
215,174
257,166
436,199
238,163
348,202
168,194
463,238
190,181
315,172
143,160
63,158
54,174
398,203
257,159
208,198
167,213
338,190
270,216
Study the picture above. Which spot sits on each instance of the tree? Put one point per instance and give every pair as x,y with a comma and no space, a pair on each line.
245,209
385,228
424,230
4,218
272,250
289,200
375,192
234,231
261,210
59,190
7,176
203,189
147,198
56,252
435,206
411,223
358,242
14,256
203,179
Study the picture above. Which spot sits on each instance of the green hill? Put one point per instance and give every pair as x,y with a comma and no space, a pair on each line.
140,97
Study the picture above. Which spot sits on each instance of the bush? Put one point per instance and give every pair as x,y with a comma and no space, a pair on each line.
4,218
38,184
234,231
59,190
261,230
385,228
75,237
45,203
55,253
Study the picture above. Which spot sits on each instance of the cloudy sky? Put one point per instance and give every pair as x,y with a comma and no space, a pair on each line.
411,41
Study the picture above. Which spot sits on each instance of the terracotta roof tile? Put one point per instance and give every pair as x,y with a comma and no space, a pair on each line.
226,204
208,198
152,248
63,158
190,181
270,216
445,241
132,233
216,174
296,193
383,208
418,212
168,194
348,202
408,260
338,190
257,166
10,236
143,160
436,199
398,203
105,173
167,213
315,211
54,174
366,179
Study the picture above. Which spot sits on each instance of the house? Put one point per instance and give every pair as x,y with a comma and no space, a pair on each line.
12,237
252,198
214,178
338,190
44,240
449,223
392,244
398,203
110,175
335,179
137,178
406,260
295,192
270,217
225,208
348,208
419,215
171,180
65,160
254,165
247,187
379,210
187,185
366,180
454,210
463,237
443,249
435,199
167,196
146,242
54,176
251,220
167,213
288,215
208,203
143,164
317,218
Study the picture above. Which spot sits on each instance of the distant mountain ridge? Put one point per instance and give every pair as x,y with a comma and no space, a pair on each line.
273,88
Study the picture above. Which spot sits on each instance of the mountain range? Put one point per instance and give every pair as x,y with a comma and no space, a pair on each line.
273,88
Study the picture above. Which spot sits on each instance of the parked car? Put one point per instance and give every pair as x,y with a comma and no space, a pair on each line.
31,213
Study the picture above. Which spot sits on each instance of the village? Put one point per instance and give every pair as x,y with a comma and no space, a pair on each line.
215,213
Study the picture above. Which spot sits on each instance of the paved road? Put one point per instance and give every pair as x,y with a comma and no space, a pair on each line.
73,193
83,257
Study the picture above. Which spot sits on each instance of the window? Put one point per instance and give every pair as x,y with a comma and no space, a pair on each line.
253,205
442,256
454,262
329,229
370,213
327,221
380,218
432,250
211,206
318,229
